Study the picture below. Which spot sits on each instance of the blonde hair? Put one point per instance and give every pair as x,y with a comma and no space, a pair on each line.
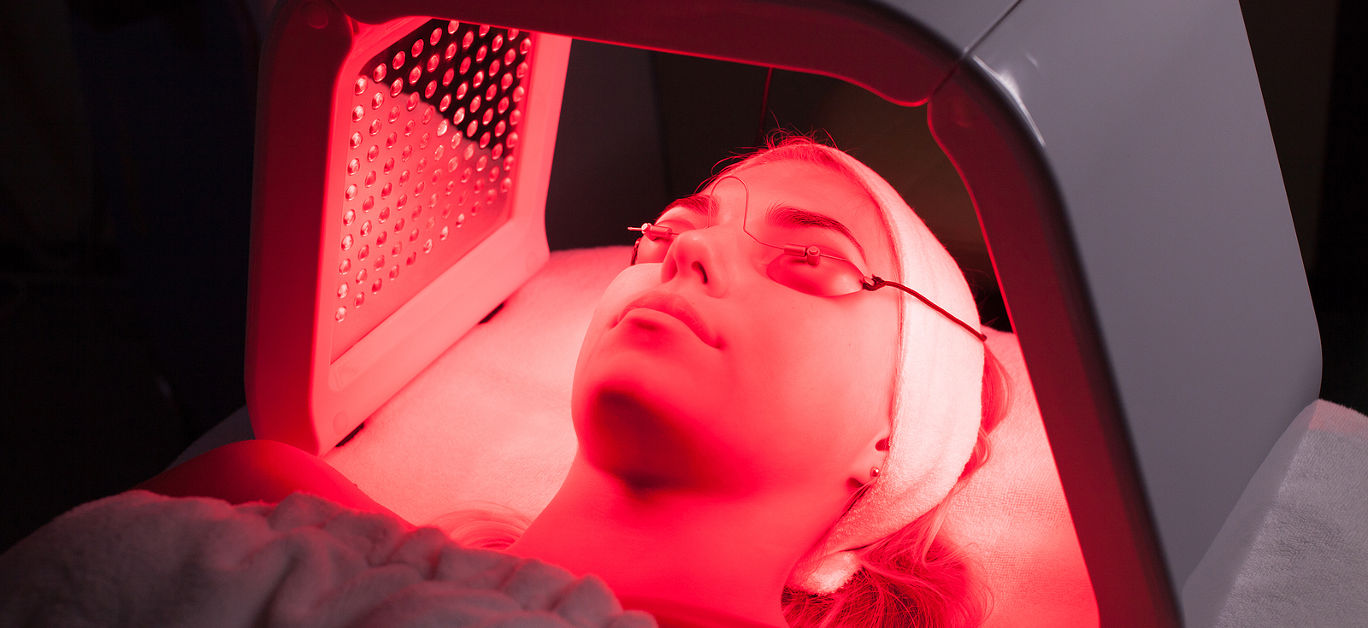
913,577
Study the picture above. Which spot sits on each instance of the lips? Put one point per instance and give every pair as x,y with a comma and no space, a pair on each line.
677,307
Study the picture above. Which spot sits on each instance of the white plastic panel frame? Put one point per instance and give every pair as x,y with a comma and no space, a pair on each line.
1150,119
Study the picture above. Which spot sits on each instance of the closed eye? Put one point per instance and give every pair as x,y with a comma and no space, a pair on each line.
784,215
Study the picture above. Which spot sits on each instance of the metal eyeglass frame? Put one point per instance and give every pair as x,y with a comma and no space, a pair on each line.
812,255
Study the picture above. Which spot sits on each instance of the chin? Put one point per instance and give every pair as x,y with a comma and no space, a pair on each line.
645,436
653,364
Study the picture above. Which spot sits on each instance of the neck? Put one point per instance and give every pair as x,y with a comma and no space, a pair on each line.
728,555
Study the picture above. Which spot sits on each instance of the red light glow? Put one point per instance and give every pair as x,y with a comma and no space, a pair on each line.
423,165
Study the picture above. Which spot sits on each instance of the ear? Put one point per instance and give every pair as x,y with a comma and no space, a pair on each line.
871,456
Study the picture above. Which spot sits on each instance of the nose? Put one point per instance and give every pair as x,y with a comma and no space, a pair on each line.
695,256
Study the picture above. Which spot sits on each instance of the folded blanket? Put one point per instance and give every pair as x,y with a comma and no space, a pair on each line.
139,559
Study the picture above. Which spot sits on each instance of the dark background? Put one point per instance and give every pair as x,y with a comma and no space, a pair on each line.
125,181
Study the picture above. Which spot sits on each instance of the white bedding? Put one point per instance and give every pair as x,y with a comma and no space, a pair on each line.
489,420
1294,551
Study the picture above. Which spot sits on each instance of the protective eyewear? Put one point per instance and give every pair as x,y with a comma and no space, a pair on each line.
805,267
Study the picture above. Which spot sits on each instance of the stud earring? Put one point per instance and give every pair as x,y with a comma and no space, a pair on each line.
873,473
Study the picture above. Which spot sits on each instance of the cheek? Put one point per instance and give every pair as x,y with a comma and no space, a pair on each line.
632,281
825,376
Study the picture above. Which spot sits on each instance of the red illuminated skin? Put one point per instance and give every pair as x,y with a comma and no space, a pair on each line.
725,420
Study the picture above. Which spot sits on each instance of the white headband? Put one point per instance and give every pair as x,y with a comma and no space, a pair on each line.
936,410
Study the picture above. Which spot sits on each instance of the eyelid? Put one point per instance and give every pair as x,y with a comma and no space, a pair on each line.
841,247
829,242
799,218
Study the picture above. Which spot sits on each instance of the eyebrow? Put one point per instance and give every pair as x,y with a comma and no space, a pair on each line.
702,204
785,214
706,205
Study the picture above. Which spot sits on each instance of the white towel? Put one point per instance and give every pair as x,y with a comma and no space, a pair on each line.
139,559
1012,521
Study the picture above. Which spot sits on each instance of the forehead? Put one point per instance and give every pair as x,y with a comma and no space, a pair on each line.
814,188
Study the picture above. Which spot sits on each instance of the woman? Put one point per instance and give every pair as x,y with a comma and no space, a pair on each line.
733,398
768,419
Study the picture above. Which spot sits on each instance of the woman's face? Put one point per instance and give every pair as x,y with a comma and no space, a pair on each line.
702,373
